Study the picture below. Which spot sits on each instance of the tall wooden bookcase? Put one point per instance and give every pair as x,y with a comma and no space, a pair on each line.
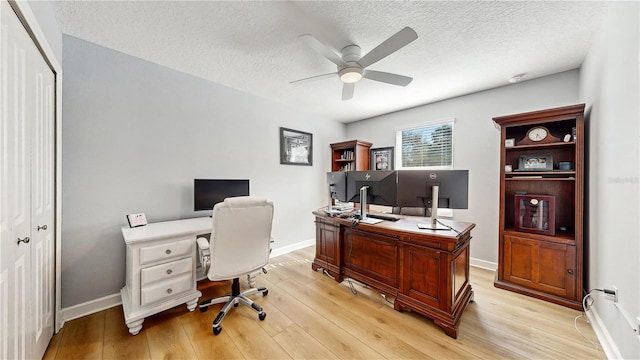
352,155
542,162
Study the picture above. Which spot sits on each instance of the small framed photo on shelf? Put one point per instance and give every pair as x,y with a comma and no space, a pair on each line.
296,147
136,220
509,142
535,214
381,158
535,163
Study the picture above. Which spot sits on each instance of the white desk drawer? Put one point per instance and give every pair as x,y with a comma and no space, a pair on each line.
166,271
169,288
170,250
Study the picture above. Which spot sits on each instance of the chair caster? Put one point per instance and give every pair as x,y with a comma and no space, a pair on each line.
217,330
261,316
265,293
204,308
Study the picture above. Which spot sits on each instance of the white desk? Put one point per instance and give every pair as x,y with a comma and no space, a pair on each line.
161,268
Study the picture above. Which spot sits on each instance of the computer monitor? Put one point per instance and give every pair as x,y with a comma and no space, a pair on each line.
337,185
416,189
381,186
208,192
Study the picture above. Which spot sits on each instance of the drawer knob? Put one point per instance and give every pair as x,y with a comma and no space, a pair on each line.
169,291
570,271
169,271
168,251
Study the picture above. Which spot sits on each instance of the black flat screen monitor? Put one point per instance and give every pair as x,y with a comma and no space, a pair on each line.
337,183
208,192
382,186
414,188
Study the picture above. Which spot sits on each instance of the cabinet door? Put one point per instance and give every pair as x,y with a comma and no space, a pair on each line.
327,236
423,275
540,265
373,256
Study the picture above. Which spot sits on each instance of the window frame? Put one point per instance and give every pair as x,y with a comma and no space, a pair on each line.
398,152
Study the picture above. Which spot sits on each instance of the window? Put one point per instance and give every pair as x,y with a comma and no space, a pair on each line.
425,146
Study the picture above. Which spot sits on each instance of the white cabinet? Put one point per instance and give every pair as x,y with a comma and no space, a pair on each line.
161,268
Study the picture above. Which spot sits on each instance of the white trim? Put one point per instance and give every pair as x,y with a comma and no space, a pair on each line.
398,144
426,123
483,264
608,345
293,247
91,307
34,26
109,301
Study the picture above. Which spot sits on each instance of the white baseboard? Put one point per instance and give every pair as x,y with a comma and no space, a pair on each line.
608,345
487,265
293,247
90,307
109,301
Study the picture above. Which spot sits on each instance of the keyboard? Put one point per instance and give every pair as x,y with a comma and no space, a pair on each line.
383,217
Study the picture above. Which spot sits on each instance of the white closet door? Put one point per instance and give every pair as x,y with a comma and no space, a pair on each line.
41,108
26,140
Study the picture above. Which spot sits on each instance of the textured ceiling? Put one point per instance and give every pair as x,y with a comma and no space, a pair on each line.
462,47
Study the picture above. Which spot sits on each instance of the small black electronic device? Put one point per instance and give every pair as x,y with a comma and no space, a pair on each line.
208,192
383,217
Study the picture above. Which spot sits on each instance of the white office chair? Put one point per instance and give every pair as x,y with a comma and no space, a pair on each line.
239,244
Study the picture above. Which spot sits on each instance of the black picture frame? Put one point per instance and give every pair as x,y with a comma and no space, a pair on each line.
535,162
381,158
296,147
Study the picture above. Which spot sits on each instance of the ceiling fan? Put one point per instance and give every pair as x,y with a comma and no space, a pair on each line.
351,67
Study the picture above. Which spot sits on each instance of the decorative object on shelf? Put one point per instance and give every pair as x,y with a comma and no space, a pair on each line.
535,213
136,220
567,138
573,133
508,168
296,147
510,142
535,162
566,165
538,135
382,158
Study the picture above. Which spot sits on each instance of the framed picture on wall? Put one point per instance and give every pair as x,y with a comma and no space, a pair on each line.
296,147
381,158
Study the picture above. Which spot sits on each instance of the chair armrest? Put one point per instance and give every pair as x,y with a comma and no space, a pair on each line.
203,243
204,253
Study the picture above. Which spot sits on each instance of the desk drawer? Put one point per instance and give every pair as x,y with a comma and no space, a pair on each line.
174,249
166,271
166,289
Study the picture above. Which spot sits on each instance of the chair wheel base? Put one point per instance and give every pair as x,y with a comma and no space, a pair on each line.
217,330
204,308
261,316
265,293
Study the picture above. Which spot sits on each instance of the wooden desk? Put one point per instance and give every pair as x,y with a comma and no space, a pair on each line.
426,271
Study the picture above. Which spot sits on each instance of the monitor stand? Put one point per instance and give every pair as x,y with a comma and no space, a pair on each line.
363,208
433,224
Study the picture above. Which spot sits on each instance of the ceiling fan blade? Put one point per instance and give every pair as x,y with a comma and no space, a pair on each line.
322,49
389,78
347,91
401,39
317,77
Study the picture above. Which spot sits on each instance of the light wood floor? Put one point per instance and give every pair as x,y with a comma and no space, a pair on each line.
310,316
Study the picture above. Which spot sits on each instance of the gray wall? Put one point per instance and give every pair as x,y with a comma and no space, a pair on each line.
476,142
135,136
609,86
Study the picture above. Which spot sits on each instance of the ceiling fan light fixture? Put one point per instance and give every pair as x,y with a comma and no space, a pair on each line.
351,74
